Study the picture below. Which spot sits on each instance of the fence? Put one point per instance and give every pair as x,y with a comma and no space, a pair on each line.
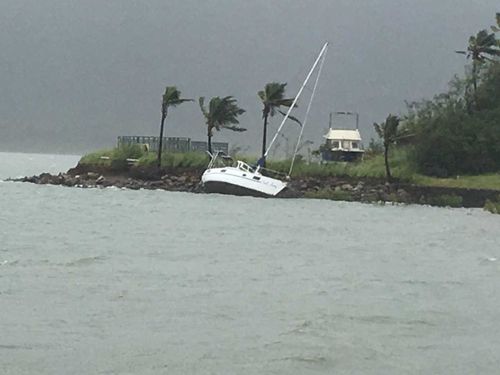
172,144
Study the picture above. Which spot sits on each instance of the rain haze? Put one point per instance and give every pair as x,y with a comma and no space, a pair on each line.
74,75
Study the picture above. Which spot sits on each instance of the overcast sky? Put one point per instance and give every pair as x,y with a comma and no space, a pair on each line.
75,74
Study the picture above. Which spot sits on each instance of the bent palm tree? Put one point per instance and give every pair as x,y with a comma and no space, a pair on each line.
222,113
482,47
388,132
272,97
171,98
496,28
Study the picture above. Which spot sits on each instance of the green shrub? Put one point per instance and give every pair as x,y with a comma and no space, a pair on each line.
98,158
190,160
327,193
115,158
128,152
445,200
493,206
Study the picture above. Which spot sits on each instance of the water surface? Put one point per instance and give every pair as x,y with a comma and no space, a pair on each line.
110,281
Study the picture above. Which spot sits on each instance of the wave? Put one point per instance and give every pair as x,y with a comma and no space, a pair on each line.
85,261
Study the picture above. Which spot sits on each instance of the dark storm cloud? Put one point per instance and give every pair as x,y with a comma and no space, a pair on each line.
75,74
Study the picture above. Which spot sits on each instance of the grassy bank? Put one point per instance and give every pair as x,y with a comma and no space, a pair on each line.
116,159
371,167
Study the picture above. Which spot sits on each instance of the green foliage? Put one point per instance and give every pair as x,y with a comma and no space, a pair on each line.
482,47
222,113
389,134
496,28
449,138
374,147
190,160
327,193
121,154
458,143
458,132
98,158
371,167
115,159
128,152
493,206
488,94
171,98
388,130
273,96
486,181
445,200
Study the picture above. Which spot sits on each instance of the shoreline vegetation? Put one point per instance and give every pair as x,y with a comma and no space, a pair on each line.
443,151
362,182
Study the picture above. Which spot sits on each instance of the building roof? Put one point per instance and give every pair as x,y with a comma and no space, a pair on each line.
343,134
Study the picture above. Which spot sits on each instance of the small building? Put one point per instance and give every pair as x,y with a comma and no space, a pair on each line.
342,145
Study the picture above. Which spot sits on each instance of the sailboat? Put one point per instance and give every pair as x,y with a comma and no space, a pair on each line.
241,178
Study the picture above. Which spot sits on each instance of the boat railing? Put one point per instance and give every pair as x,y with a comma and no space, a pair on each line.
273,174
219,158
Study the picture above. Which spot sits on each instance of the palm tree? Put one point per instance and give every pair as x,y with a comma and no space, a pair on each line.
171,98
272,97
496,28
482,47
388,133
222,113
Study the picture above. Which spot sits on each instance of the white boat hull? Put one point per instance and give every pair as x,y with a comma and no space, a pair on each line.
234,181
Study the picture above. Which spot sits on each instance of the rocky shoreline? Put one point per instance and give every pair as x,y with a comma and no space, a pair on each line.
335,188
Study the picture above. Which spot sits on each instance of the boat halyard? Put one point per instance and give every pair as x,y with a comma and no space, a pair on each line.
243,179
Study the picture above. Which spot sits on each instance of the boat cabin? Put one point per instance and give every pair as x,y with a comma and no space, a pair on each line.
244,167
342,145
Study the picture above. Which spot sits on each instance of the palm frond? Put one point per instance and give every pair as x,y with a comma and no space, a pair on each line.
201,102
172,98
293,118
234,128
378,130
222,113
286,102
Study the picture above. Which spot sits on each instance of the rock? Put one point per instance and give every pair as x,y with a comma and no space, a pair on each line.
359,186
133,185
403,195
44,178
369,197
68,181
347,187
92,175
99,180
156,184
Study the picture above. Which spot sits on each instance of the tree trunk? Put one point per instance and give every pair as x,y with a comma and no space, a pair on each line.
160,144
386,160
474,83
264,138
209,143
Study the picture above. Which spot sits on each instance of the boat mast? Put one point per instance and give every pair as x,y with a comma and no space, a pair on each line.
307,114
322,52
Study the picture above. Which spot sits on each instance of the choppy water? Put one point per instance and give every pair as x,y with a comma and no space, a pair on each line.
151,282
